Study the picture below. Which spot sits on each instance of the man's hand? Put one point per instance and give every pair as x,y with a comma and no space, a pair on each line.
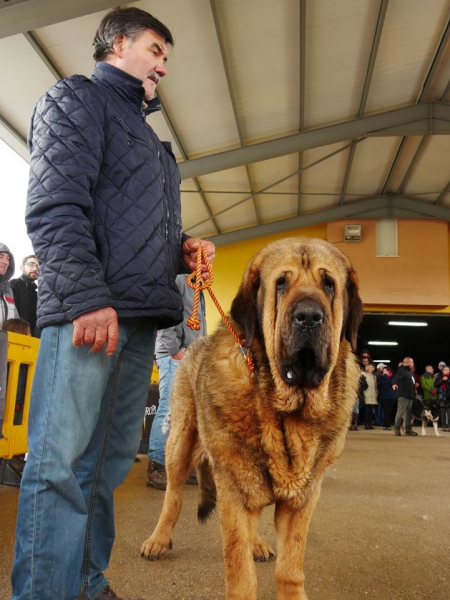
189,254
395,386
179,355
96,329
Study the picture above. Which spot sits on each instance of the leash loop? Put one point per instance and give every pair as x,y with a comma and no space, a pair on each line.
200,284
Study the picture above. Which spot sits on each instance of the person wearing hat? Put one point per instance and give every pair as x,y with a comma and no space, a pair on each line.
441,365
8,308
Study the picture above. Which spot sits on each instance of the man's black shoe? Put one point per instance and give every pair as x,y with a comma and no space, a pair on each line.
397,432
109,594
411,432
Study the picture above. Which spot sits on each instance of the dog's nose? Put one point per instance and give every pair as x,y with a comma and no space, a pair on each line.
308,314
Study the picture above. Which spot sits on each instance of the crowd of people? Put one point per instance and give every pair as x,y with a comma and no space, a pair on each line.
18,297
385,398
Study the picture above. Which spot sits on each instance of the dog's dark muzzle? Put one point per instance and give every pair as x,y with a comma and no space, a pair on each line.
304,359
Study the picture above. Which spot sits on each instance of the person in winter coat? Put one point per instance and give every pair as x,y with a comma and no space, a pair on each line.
427,383
104,216
404,384
386,395
442,384
25,291
8,308
171,346
370,395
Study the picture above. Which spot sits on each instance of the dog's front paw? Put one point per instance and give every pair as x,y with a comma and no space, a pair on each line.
151,549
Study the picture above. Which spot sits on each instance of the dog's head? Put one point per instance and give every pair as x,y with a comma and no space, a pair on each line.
299,302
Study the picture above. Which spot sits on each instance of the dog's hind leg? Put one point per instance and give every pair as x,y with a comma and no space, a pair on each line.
262,552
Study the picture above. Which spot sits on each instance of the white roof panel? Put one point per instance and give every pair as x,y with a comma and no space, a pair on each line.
235,80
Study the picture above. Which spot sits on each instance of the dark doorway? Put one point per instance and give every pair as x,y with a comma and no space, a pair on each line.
426,345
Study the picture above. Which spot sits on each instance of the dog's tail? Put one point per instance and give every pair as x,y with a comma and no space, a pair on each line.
208,493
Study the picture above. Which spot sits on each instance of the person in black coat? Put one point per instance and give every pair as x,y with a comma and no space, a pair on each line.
387,395
442,384
405,385
25,292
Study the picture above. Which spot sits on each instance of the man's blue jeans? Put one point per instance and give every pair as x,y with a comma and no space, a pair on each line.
167,368
85,420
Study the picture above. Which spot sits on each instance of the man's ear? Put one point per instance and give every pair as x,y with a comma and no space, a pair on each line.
118,45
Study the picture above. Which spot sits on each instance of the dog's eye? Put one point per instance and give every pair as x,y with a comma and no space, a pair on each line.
281,283
328,284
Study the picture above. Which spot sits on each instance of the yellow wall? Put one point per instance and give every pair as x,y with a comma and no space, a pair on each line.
231,261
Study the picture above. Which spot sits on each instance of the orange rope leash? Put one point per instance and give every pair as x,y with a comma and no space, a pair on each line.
200,284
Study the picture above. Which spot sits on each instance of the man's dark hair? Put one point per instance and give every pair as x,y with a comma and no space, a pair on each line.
125,21
27,258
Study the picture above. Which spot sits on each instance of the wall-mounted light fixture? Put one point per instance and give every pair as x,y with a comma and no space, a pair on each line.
352,233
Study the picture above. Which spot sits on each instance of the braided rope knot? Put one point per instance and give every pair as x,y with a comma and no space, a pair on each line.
194,323
200,284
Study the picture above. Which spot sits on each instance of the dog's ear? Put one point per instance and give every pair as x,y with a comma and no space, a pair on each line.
243,308
354,311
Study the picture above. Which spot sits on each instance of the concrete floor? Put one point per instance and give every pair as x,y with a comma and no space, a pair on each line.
381,530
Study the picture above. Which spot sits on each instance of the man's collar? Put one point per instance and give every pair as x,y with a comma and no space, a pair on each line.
126,86
28,281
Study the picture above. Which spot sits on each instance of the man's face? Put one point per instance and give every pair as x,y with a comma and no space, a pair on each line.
30,269
144,57
4,262
429,369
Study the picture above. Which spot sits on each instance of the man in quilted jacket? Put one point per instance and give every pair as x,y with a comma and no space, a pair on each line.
104,216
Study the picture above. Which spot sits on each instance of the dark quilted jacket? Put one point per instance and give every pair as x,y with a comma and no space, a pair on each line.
103,208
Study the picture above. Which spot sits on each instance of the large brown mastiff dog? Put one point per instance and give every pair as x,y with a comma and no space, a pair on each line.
265,437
